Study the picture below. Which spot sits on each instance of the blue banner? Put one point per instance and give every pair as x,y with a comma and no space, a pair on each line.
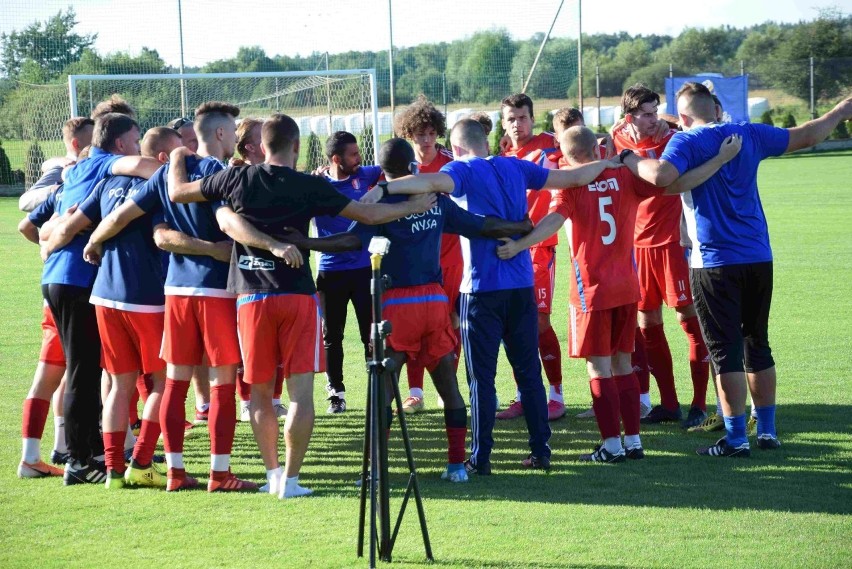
731,91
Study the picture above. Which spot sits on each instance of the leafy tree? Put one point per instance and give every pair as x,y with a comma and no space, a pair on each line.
51,45
480,66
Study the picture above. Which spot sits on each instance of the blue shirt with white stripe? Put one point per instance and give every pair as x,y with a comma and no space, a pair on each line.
724,215
494,186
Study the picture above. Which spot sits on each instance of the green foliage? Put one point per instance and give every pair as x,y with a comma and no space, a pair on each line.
51,45
789,121
477,66
5,167
366,145
766,118
35,158
315,157
839,133
545,123
498,133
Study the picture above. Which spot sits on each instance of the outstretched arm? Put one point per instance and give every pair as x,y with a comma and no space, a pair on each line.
420,184
817,130
549,225
579,176
175,241
63,233
181,190
139,166
239,229
109,227
377,213
338,243
496,228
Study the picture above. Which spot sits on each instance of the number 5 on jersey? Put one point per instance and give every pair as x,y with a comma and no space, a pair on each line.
607,218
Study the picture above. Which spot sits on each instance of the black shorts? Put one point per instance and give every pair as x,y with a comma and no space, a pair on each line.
732,303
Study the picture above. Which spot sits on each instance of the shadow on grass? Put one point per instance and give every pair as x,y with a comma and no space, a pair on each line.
809,473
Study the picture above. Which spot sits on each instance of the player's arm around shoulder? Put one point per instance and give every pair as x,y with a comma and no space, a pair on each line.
692,178
438,182
548,225
580,175
377,213
817,130
64,232
138,166
181,190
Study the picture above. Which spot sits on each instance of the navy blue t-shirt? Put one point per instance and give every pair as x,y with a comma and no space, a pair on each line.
494,186
189,275
353,187
45,210
415,251
130,277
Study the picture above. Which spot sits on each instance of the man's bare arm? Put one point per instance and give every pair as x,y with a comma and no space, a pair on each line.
239,229
338,243
658,172
496,228
139,166
579,176
64,232
28,230
817,130
181,190
377,213
548,225
175,241
411,185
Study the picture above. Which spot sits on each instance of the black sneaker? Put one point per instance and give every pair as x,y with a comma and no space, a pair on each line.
695,417
600,454
60,458
536,462
92,472
768,442
635,453
722,448
660,414
480,469
336,404
128,456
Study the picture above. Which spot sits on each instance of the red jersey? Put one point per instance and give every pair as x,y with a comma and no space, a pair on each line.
537,150
658,218
451,254
601,217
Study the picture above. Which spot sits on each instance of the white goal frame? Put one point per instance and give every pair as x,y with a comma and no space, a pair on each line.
374,111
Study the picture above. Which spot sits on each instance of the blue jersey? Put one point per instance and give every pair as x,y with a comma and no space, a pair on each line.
130,277
45,210
494,186
66,265
189,275
415,251
353,187
724,216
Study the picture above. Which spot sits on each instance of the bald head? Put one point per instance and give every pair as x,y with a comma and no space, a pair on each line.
578,144
159,142
695,103
469,137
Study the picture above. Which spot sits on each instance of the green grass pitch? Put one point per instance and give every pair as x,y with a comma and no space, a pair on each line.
789,508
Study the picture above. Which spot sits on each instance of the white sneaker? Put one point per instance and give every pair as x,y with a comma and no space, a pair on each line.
439,402
245,412
587,414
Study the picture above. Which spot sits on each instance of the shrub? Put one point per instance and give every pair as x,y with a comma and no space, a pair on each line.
6,176
314,157
766,118
840,132
368,149
497,134
35,158
789,121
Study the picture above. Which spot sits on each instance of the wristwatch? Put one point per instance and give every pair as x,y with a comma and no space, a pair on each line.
384,186
624,154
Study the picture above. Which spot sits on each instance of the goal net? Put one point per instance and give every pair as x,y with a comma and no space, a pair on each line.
321,102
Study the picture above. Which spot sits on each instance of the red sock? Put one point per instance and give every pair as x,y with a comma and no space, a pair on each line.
114,451
147,442
279,384
133,406
144,385
34,418
415,375
173,414
455,422
223,418
243,388
605,402
639,360
660,363
699,362
628,397
551,356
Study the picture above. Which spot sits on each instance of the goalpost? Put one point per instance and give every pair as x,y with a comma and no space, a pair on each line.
321,102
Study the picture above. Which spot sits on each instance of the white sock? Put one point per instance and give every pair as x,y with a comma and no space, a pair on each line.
202,408
556,395
129,439
32,450
645,398
517,396
244,405
273,479
59,444
632,441
174,459
292,489
276,402
220,462
613,445
415,392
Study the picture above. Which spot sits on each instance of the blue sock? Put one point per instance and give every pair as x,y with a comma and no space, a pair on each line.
735,430
766,420
454,466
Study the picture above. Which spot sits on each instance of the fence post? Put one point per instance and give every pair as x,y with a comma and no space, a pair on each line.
813,108
598,91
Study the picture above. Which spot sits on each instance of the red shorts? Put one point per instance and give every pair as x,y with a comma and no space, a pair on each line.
601,332
130,341
51,346
663,276
420,323
544,274
198,325
452,281
280,330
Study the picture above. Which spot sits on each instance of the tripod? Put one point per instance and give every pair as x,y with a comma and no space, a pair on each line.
374,469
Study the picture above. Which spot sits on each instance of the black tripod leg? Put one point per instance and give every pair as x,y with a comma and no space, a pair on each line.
365,465
375,434
385,549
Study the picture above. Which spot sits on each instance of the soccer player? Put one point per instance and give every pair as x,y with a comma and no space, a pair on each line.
731,277
47,381
186,129
200,315
517,111
663,271
422,124
66,284
497,301
343,277
129,303
278,313
603,298
482,118
115,104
